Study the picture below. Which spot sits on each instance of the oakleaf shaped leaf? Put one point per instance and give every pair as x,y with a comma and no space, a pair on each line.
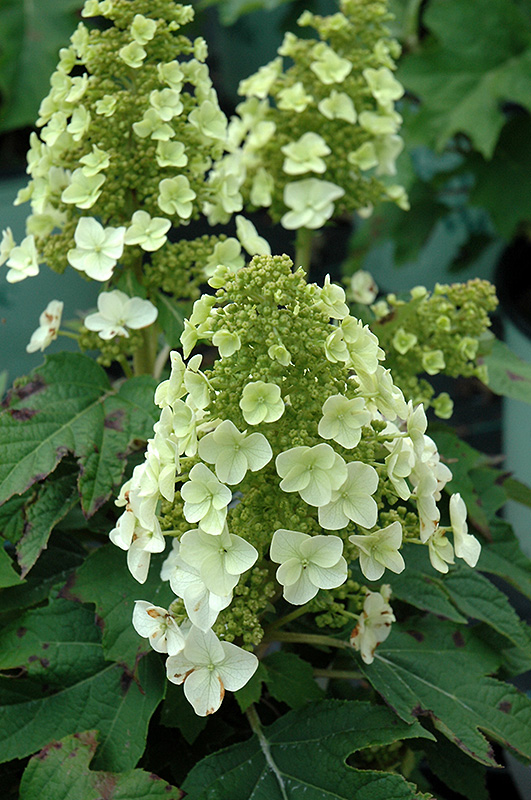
61,771
71,688
475,63
433,668
67,406
304,753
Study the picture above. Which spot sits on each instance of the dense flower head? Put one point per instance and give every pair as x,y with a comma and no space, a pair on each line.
317,128
276,468
127,136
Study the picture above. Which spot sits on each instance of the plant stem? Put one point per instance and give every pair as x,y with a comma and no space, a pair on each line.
310,638
256,727
128,372
288,618
145,357
160,361
68,335
339,674
303,249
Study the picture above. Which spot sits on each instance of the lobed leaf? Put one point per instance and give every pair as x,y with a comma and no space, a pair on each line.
304,752
61,771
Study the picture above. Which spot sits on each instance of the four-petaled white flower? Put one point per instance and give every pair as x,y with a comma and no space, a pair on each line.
205,500
374,624
363,288
49,322
306,154
148,232
254,244
331,300
176,196
207,667
329,66
378,551
311,203
159,626
466,545
261,402
307,564
202,605
220,560
97,248
233,452
83,190
314,472
352,500
117,312
22,259
440,551
343,420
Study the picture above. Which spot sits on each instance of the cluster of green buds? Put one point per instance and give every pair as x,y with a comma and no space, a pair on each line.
128,133
434,333
313,140
275,469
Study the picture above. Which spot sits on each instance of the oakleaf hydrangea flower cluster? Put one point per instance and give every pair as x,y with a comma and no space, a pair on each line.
128,133
314,139
273,472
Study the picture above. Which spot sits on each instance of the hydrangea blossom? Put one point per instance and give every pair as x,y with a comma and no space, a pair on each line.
374,625
49,322
97,248
314,472
207,667
117,312
379,551
158,626
307,564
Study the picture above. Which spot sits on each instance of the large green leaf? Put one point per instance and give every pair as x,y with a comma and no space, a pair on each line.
503,557
31,34
508,374
432,668
8,575
303,754
61,771
71,688
105,580
472,64
67,406
55,498
290,679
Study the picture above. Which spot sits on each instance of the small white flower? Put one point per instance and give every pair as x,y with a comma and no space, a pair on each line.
49,322
363,288
466,545
159,626
22,260
362,344
440,550
261,402
307,564
331,300
209,120
143,29
6,245
305,155
97,249
117,312
227,343
374,625
133,54
352,500
176,196
83,190
172,389
293,98
220,560
148,232
249,238
205,500
202,605
329,66
233,453
343,420
311,203
313,472
378,551
207,667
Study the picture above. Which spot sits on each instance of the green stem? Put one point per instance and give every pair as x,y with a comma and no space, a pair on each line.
310,638
68,335
128,372
288,618
145,357
303,249
338,674
256,727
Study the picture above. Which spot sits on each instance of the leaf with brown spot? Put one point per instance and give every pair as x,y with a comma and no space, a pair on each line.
61,771
452,685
